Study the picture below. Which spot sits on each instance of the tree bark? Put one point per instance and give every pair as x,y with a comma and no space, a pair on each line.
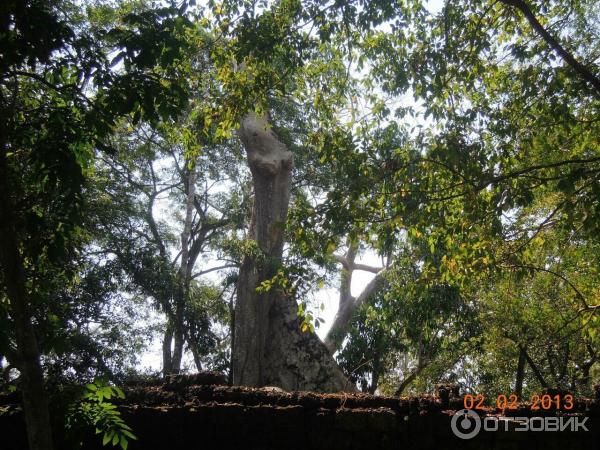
184,274
534,367
520,376
584,380
335,335
179,341
421,364
581,70
35,403
407,381
166,349
376,370
232,328
269,347
196,355
348,304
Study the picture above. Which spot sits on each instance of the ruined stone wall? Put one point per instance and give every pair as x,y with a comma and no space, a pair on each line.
180,415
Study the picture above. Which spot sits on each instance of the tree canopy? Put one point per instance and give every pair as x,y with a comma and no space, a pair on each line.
198,173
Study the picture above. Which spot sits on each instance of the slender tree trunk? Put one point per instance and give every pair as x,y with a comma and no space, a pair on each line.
35,403
183,285
338,329
166,349
179,341
584,379
421,364
551,366
196,356
376,371
269,347
232,328
534,367
520,376
408,380
564,365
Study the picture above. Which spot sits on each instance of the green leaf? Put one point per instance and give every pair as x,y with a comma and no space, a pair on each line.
129,434
119,392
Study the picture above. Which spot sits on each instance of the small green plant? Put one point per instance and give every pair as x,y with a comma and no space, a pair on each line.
93,408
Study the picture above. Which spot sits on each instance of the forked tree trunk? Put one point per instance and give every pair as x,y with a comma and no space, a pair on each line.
269,347
172,348
349,304
176,332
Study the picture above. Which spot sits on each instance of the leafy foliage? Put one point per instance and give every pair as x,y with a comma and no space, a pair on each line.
457,145
94,410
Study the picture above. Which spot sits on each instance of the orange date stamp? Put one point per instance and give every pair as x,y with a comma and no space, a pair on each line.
512,401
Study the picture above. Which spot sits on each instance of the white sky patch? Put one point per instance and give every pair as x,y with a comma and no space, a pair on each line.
434,6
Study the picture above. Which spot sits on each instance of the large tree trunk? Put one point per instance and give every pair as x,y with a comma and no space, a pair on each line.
35,404
269,347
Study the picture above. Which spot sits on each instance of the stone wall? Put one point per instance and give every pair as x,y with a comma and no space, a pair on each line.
188,415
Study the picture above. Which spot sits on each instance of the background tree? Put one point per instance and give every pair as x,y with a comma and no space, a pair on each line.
457,145
52,123
494,161
152,174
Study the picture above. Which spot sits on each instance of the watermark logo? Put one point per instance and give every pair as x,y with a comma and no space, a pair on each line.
466,423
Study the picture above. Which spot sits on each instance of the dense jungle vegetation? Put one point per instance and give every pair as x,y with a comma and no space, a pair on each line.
199,172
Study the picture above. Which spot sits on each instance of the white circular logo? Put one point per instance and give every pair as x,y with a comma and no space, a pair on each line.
465,419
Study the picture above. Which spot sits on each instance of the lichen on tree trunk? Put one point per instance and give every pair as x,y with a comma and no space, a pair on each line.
269,347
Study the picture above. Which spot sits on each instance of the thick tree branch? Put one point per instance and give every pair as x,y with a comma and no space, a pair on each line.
213,269
199,240
343,260
534,367
406,381
154,228
582,70
337,332
367,268
578,294
520,376
421,364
